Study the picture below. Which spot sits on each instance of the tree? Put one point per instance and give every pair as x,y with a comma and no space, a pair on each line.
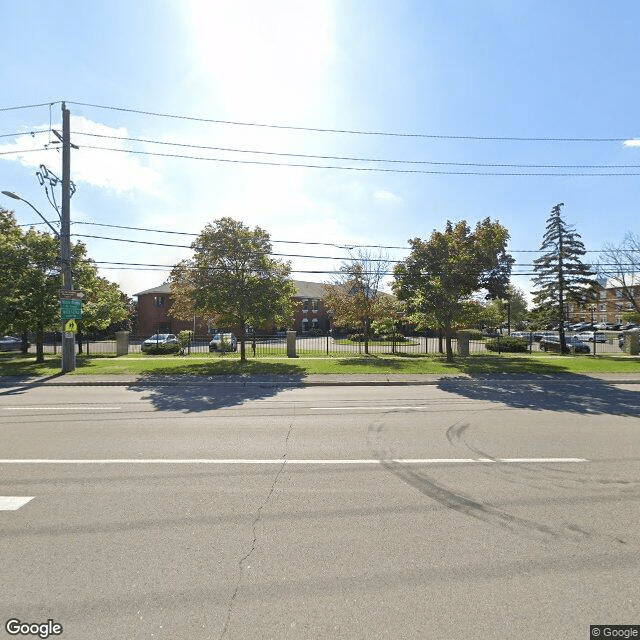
29,292
104,304
439,276
620,265
355,297
561,275
232,280
511,309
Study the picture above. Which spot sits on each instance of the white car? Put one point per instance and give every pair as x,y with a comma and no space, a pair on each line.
587,336
226,340
159,339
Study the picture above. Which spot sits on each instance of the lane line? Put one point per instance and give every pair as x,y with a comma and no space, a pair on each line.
13,503
250,461
92,408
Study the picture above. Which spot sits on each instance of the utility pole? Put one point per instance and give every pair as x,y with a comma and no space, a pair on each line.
68,339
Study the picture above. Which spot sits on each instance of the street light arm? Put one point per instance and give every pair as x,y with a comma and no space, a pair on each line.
15,196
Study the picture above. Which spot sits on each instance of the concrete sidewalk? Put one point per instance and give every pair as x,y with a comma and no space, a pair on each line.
300,381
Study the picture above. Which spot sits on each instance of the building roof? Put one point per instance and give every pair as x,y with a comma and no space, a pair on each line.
165,287
304,289
309,289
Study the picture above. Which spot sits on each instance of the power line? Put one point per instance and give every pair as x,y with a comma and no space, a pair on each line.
30,106
358,159
347,131
371,169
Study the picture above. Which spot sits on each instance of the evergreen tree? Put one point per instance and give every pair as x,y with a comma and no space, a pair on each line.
561,275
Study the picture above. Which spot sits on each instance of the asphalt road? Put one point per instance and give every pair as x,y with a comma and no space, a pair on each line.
493,508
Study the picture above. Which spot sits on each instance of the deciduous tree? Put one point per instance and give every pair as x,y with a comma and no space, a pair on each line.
356,298
232,280
440,275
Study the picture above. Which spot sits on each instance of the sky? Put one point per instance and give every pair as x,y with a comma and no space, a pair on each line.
200,108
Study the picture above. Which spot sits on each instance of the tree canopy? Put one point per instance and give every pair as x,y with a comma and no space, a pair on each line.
232,280
356,299
560,274
29,292
440,274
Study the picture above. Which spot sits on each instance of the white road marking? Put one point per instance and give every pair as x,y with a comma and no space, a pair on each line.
222,461
60,408
12,503
369,407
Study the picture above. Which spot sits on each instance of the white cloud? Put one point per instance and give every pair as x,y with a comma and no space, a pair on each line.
115,170
632,143
386,196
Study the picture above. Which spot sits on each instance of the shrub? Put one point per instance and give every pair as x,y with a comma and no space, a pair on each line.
393,337
474,334
356,337
162,349
507,344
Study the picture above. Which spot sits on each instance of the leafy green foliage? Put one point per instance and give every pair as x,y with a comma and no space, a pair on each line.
440,275
162,349
507,344
232,281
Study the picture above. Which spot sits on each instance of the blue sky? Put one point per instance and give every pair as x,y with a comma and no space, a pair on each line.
468,69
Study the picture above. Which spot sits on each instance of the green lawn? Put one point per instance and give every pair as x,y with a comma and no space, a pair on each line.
202,364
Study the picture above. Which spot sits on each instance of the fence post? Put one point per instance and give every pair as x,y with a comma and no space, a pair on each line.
291,344
463,343
426,341
327,344
122,343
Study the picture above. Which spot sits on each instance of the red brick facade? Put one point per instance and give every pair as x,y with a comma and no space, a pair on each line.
154,305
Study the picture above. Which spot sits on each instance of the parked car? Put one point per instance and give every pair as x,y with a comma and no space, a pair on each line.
629,326
217,342
587,336
10,343
158,339
573,343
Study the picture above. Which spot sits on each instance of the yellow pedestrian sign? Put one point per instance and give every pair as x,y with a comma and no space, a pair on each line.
71,326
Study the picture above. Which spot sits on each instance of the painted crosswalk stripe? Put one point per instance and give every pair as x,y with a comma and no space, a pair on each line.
12,503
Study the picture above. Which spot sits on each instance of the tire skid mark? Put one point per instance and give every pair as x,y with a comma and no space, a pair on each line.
468,505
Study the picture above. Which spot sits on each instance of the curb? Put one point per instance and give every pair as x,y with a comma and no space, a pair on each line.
316,381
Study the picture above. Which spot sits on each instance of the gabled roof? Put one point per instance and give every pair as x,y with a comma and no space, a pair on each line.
309,289
165,287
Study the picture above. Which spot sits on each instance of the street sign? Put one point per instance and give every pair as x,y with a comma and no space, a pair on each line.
68,294
71,326
71,309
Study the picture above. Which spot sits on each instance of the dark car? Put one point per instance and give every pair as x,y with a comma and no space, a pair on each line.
573,344
10,343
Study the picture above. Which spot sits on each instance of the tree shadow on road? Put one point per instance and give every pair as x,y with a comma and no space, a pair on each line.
566,392
200,393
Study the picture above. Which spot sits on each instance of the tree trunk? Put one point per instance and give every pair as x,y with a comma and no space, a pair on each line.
39,343
440,349
449,348
80,336
25,343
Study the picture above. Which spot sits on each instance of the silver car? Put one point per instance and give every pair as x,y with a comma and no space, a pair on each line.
223,342
10,343
157,340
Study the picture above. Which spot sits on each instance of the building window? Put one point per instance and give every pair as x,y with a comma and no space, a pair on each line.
618,293
159,302
603,294
314,306
305,325
305,306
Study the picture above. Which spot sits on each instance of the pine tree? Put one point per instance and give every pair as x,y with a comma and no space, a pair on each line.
561,275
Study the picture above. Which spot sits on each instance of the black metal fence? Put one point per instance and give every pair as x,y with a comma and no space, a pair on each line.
275,345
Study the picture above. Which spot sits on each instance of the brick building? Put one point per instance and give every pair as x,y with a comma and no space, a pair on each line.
154,305
611,302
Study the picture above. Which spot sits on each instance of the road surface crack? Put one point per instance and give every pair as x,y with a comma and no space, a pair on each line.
242,563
